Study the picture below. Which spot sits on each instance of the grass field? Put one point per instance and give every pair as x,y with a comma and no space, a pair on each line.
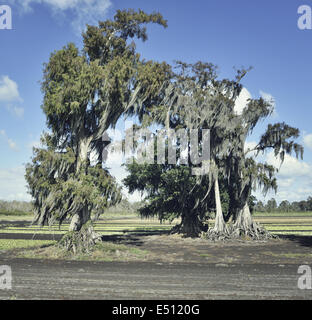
136,258
130,224
119,224
287,223
291,223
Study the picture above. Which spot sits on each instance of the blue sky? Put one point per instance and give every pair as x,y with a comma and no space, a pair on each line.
262,34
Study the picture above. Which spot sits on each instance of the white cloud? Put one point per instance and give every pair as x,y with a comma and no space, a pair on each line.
8,90
286,182
294,179
270,99
12,144
267,97
13,184
245,95
291,167
84,11
250,145
307,140
9,95
242,101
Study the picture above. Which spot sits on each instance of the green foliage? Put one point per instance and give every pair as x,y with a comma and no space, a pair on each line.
271,205
125,207
85,93
277,137
252,203
168,189
59,192
196,99
285,206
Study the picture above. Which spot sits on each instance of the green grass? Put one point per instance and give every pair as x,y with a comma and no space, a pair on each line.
294,233
206,255
290,223
283,214
4,217
15,213
10,244
296,223
281,224
288,255
104,227
277,227
104,251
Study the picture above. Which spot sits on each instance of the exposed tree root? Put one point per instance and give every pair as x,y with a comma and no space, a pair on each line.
81,241
253,231
239,232
243,228
246,227
214,235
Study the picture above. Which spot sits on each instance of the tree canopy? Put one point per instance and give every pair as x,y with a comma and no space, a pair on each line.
196,99
85,93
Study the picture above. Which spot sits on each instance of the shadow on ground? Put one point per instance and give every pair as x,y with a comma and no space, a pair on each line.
15,224
305,241
133,238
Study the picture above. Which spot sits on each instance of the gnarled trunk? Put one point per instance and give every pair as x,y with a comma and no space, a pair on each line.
245,226
244,220
79,219
190,225
81,236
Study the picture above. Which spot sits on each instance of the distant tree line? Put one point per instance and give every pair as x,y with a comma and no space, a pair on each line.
15,206
284,206
126,207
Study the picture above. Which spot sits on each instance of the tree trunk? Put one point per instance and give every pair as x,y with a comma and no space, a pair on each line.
83,153
220,230
245,226
244,220
190,225
220,225
79,219
81,237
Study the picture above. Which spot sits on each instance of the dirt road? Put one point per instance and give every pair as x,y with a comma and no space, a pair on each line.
35,279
